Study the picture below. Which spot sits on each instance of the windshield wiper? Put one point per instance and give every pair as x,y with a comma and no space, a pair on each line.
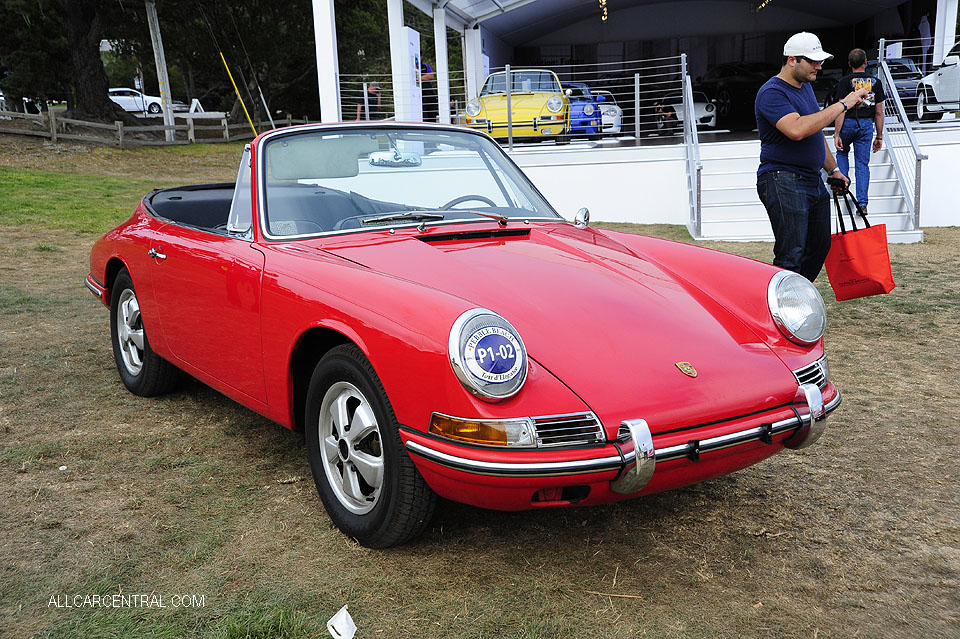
499,217
400,217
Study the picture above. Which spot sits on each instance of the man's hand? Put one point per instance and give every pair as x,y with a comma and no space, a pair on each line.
846,181
877,144
838,141
855,97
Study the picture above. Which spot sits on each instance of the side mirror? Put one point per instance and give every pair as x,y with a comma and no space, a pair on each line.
951,61
568,92
582,218
601,98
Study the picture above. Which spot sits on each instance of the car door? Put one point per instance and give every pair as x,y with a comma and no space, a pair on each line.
123,98
947,82
207,289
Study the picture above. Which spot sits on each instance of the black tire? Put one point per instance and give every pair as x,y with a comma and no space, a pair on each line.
563,138
725,114
923,114
376,516
142,371
153,108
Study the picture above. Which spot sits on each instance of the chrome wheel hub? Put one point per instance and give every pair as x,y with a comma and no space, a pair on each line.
351,448
130,332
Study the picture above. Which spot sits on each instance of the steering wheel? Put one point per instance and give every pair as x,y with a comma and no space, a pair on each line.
467,198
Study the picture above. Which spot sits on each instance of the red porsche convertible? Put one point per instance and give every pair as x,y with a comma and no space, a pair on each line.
404,296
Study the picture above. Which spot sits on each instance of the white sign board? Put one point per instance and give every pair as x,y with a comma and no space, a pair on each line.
415,112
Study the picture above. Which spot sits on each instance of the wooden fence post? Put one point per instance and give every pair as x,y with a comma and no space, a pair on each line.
226,129
119,132
191,132
53,124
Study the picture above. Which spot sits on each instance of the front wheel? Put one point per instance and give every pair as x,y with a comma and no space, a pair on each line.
142,371
153,108
368,484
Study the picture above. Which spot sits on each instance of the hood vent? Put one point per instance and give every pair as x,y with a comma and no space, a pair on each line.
475,235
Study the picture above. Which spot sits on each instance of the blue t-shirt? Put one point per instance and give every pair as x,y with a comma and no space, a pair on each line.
775,99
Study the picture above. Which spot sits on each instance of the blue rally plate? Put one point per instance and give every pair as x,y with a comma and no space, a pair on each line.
493,355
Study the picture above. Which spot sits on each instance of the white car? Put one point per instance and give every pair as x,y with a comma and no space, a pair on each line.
940,91
611,114
137,102
134,101
669,112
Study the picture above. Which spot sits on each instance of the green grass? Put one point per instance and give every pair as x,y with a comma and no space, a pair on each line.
77,203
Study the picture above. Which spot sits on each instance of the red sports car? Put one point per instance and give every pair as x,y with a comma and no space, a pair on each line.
406,297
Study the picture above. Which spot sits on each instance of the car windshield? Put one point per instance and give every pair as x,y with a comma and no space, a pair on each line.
898,70
522,82
344,180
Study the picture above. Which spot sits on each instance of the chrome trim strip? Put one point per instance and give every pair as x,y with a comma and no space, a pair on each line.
93,289
740,437
527,469
600,464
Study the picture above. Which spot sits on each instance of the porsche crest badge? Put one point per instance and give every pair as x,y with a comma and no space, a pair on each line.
687,369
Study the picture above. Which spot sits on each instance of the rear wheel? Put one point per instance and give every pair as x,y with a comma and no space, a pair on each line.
142,371
367,482
923,100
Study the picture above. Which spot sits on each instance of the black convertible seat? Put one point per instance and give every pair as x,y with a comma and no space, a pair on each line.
294,209
202,205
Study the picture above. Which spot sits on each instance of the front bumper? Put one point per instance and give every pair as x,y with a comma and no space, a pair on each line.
509,480
522,128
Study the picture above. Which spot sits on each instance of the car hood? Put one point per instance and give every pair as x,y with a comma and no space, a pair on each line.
608,322
517,101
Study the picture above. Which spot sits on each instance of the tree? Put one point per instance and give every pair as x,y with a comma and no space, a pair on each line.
83,21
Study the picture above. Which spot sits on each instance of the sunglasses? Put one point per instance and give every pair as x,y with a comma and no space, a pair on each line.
815,63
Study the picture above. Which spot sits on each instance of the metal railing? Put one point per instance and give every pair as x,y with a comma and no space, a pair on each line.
692,143
902,147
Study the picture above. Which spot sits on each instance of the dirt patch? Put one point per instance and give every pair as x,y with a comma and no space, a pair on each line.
107,493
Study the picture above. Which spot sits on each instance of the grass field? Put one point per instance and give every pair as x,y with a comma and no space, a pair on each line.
103,493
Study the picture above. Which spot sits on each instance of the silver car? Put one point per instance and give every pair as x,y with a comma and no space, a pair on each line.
610,112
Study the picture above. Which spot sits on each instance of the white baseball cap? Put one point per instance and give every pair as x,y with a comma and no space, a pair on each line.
806,45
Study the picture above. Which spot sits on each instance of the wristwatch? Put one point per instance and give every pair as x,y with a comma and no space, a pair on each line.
844,105
835,169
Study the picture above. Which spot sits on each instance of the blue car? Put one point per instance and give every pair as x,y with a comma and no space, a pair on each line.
585,116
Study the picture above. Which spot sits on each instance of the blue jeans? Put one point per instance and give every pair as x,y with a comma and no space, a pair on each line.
859,135
799,212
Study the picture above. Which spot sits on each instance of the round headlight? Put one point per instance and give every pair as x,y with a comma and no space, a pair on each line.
588,109
554,105
473,108
797,307
709,108
487,355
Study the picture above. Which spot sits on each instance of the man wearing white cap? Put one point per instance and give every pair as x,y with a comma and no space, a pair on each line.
792,152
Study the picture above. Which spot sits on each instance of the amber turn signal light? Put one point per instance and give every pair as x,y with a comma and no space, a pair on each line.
486,432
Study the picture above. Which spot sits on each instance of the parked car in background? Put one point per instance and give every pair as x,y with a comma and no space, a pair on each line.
404,295
733,88
669,111
585,116
906,77
611,115
539,107
136,102
939,92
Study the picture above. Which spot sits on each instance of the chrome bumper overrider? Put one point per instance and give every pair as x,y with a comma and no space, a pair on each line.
94,286
630,479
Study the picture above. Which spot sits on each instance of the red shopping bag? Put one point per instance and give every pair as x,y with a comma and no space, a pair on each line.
858,264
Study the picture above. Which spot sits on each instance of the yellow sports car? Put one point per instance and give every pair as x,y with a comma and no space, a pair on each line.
539,106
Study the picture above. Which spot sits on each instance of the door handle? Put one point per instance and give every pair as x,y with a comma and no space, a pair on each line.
153,253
